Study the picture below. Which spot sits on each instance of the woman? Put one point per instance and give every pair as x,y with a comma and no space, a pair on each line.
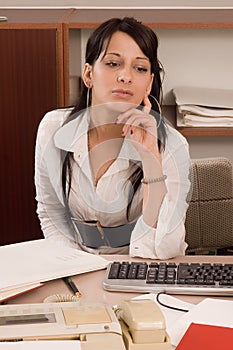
110,175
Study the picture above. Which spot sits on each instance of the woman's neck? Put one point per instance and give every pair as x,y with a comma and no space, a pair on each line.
102,133
102,115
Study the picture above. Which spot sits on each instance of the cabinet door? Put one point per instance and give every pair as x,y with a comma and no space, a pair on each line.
28,89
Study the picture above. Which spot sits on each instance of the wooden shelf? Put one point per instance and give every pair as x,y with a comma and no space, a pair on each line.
91,18
39,16
161,18
205,131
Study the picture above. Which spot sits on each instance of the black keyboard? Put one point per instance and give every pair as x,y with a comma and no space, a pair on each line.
182,278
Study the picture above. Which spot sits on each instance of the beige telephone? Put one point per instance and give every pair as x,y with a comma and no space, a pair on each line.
95,325
143,325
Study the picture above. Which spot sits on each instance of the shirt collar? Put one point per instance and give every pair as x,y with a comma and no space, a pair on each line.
69,135
72,137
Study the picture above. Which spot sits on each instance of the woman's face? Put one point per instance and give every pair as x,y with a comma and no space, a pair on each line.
121,73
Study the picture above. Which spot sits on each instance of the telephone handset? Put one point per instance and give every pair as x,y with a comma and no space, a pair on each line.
143,325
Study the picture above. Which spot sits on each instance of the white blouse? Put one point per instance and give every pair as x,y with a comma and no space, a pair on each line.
107,201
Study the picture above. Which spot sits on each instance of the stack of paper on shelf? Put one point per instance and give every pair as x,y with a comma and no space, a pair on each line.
28,264
204,107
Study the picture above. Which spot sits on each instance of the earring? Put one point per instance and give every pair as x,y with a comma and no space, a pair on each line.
159,108
88,98
161,71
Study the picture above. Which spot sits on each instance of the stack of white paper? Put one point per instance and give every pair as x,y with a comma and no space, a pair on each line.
204,107
40,261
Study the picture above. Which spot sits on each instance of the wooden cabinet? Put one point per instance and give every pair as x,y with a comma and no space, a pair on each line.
31,83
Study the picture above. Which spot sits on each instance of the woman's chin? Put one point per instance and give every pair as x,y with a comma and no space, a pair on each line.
120,106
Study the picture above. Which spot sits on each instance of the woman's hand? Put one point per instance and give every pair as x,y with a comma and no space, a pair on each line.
141,127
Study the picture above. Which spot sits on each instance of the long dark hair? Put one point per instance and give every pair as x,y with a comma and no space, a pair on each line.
97,42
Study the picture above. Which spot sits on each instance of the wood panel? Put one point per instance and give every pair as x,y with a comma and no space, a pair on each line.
28,89
156,18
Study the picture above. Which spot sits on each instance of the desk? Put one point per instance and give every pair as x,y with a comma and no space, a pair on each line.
90,284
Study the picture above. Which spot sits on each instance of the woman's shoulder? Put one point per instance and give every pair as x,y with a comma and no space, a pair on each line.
50,123
57,115
174,137
53,120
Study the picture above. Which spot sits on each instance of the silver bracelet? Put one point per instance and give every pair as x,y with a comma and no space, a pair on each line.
156,179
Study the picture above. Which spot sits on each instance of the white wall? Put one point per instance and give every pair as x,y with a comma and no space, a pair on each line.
211,146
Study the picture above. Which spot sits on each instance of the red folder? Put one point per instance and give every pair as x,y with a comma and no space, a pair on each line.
206,337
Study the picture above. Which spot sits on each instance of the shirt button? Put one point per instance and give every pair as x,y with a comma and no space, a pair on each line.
78,155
